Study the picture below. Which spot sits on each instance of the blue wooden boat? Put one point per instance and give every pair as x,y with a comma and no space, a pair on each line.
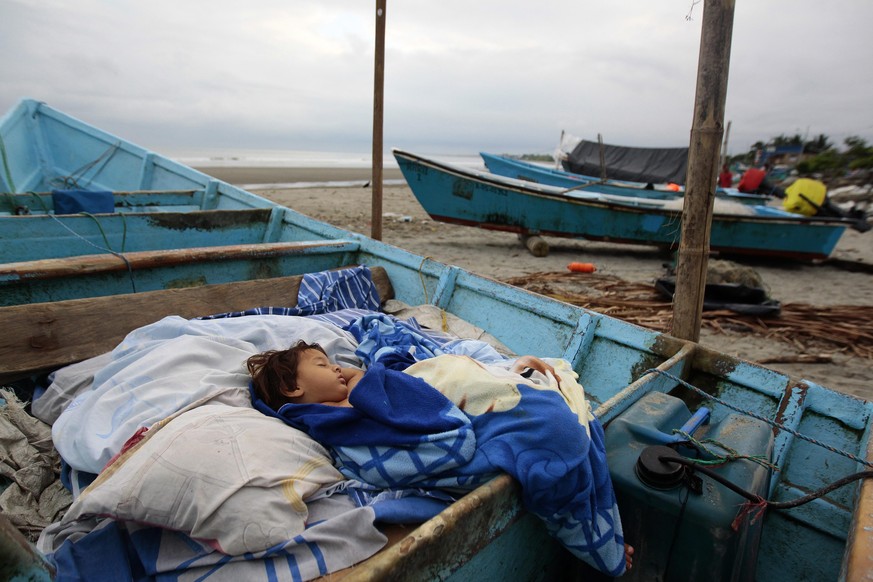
540,174
459,195
641,384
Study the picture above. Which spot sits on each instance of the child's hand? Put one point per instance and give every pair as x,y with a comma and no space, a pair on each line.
351,376
534,363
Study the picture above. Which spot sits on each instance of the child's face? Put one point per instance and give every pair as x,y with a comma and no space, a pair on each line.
320,380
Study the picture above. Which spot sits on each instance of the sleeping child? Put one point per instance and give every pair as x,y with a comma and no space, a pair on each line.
453,423
303,374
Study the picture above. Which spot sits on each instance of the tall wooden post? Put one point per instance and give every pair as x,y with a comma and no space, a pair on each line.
602,158
703,157
378,109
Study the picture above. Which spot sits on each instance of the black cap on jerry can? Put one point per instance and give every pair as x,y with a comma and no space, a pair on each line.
657,473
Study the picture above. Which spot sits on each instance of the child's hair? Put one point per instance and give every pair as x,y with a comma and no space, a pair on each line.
276,370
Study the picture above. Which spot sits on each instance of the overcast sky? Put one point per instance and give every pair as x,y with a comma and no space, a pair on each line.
460,76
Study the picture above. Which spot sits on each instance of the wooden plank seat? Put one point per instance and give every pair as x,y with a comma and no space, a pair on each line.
46,336
94,264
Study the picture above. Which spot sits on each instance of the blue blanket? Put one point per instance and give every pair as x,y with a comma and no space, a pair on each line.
403,432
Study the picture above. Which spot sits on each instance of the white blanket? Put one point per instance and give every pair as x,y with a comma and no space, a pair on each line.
177,362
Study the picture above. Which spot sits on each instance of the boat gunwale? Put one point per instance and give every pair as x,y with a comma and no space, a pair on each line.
135,260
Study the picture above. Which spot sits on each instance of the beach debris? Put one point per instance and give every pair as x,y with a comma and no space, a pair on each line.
798,359
581,267
809,328
729,286
537,245
852,193
397,217
720,272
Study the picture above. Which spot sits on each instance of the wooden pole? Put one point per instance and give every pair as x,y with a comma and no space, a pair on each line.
703,156
559,151
602,159
378,109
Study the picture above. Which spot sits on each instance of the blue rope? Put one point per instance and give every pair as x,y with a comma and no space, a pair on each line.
761,418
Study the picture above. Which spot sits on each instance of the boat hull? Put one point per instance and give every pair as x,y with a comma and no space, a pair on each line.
538,174
457,195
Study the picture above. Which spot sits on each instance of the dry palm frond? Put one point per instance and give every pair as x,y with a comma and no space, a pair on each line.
843,328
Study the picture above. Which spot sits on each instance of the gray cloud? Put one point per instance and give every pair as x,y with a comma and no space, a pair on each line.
460,76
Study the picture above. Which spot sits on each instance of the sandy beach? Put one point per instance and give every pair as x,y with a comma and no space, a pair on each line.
818,288
291,175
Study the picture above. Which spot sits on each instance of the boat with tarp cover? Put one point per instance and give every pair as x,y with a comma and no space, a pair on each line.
541,174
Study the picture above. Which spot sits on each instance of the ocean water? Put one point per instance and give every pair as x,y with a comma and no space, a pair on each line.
253,158
263,158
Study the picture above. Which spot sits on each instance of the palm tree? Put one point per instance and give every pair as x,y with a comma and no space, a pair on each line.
820,143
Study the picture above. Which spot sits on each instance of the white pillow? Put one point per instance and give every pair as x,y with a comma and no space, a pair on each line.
232,477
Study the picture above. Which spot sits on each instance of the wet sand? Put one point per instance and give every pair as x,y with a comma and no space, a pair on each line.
500,255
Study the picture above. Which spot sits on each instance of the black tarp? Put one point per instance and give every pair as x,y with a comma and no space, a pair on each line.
655,165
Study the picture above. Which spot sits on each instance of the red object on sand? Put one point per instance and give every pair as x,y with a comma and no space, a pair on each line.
582,267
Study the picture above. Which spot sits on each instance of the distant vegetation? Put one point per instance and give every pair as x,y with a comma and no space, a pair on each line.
820,155
533,157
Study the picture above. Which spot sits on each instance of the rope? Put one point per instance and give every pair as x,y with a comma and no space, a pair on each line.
583,186
757,499
719,459
761,418
9,180
72,180
39,199
421,277
100,228
445,320
13,208
85,240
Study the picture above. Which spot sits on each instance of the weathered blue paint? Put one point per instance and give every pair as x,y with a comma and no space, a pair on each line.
28,238
21,284
539,174
614,359
459,195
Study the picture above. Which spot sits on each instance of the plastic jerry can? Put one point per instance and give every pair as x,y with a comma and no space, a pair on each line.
682,524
